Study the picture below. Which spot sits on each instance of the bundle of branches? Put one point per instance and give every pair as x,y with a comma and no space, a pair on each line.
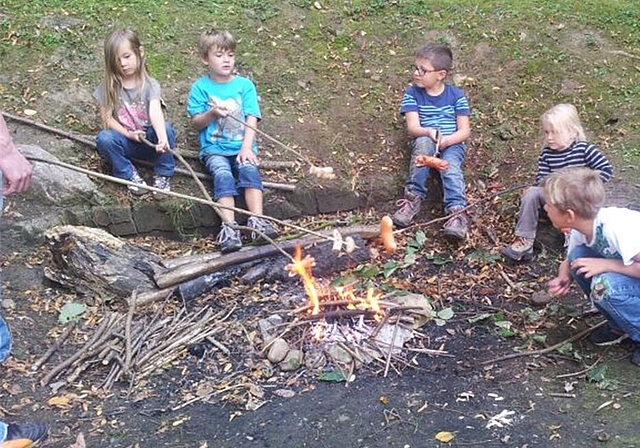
131,349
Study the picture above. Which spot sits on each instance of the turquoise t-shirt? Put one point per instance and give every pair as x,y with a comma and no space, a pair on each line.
223,136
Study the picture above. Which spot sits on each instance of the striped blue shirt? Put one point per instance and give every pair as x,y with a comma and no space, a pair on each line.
579,154
439,111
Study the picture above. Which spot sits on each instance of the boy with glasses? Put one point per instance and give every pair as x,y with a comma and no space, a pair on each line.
437,116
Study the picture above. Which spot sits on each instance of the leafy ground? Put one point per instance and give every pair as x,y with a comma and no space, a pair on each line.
330,75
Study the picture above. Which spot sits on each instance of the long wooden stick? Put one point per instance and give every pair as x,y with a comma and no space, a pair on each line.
57,344
543,351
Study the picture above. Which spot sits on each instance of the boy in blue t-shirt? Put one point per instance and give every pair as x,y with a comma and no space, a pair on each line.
218,105
435,112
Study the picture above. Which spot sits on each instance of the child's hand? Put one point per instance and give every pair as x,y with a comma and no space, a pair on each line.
136,136
559,286
247,156
162,147
220,111
590,266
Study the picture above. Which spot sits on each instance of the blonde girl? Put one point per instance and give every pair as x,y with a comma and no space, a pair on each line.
565,145
131,112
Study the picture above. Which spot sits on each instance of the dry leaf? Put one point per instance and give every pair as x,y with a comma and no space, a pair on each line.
61,401
30,112
445,436
79,443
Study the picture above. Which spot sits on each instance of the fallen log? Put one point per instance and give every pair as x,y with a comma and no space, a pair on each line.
166,278
95,263
92,261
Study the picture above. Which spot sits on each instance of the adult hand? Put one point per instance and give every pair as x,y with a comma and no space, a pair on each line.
16,173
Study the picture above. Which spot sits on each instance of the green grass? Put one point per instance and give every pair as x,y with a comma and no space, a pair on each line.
348,62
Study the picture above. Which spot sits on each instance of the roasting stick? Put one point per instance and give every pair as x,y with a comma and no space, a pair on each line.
325,172
207,196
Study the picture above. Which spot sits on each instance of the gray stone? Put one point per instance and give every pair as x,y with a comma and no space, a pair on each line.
55,185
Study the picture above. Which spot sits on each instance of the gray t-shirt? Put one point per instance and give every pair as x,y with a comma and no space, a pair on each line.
132,110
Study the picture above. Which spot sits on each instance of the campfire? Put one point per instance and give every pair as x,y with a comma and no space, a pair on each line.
348,328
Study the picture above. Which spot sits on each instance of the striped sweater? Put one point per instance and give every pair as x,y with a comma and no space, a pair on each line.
579,154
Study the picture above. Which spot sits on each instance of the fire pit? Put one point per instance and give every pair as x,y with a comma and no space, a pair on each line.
342,329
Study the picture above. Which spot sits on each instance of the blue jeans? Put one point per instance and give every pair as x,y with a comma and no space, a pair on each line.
229,175
615,295
3,431
117,150
5,335
452,177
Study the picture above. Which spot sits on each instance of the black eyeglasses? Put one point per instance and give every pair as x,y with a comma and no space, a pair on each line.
423,71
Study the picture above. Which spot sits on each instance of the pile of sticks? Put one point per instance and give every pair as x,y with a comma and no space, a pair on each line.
132,350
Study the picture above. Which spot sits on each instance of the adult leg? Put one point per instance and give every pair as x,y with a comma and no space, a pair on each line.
5,339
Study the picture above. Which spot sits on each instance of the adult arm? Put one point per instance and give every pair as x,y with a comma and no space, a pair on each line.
16,170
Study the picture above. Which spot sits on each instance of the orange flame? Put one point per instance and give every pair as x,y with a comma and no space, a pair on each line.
302,267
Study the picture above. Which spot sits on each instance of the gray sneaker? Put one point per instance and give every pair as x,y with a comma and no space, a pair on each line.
261,226
162,183
409,208
136,179
456,227
228,238
520,250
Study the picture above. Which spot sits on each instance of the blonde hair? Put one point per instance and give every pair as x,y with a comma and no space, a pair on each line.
564,120
220,40
112,81
578,188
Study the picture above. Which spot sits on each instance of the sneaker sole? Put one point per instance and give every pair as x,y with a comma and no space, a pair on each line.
525,256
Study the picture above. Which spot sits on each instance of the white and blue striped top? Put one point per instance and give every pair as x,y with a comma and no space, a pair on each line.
579,154
439,111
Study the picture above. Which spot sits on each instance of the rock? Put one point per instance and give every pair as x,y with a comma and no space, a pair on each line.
540,298
56,185
315,360
266,327
338,354
278,351
292,361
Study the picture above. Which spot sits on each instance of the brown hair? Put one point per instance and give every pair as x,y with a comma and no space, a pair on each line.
439,55
221,40
112,81
578,189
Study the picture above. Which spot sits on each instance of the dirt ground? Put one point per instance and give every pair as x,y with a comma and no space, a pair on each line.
554,399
